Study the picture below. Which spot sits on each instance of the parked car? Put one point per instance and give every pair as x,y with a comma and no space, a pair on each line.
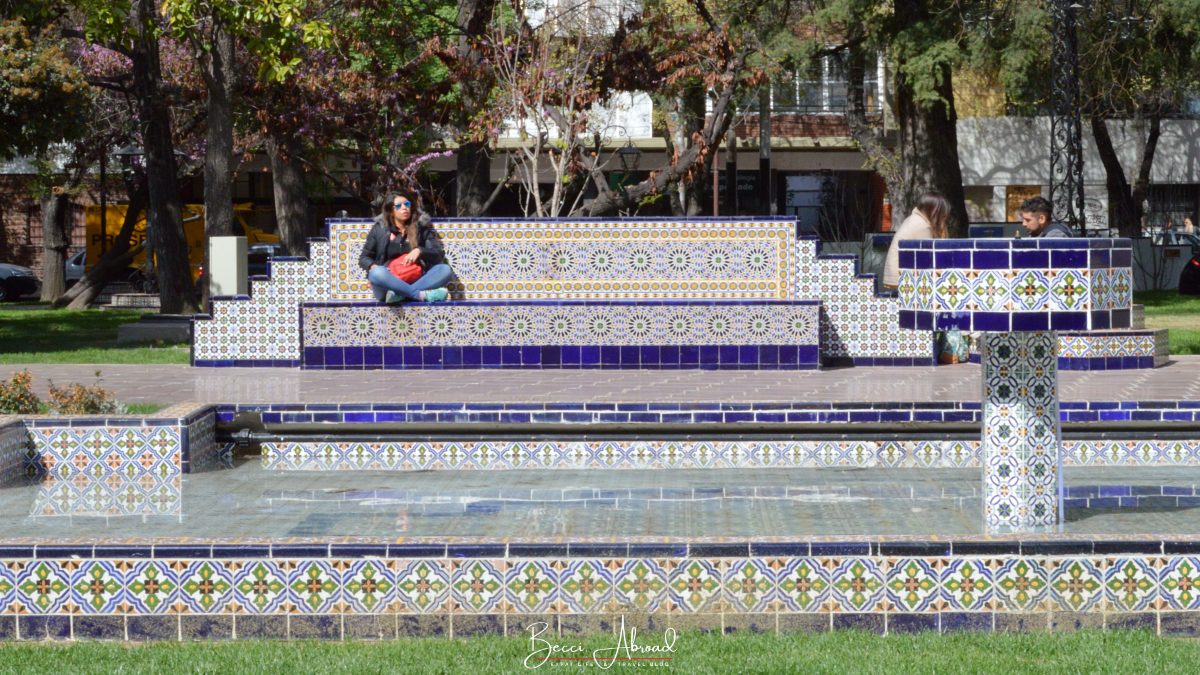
16,281
73,268
258,257
1175,238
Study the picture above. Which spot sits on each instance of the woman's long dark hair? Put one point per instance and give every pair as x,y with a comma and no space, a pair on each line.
414,214
936,209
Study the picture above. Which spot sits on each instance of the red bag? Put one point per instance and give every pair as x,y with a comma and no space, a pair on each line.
406,272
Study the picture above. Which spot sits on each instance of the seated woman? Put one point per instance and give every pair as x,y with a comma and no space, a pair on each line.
402,255
930,219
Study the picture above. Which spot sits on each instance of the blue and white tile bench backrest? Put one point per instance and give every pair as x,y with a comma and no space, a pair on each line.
610,264
1018,293
998,285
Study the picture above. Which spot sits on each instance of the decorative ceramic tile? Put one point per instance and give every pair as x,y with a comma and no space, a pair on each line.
585,586
422,586
1179,583
736,260
1020,431
315,585
151,587
44,586
476,324
857,584
368,586
534,585
594,259
1077,584
803,584
751,585
327,587
688,454
697,585
152,449
14,447
914,585
205,586
261,586
640,585
1020,583
967,584
1132,583
477,586
100,585
1021,285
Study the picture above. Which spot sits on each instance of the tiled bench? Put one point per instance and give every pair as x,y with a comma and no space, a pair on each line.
538,334
607,266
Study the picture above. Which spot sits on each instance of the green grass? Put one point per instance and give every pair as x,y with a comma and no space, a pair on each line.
87,336
1179,314
840,652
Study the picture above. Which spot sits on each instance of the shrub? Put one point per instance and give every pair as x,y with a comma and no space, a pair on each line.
17,397
78,399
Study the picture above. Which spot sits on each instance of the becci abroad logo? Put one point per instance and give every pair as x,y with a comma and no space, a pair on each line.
626,652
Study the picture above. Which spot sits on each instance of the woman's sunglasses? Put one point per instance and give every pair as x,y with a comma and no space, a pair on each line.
402,204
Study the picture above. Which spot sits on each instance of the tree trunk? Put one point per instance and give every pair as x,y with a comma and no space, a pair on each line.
56,239
1124,200
929,151
217,66
164,222
291,198
688,121
473,180
881,158
115,261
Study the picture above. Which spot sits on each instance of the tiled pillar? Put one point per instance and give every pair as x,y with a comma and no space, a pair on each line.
1022,463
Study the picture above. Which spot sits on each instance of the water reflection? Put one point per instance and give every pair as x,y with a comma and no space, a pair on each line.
108,495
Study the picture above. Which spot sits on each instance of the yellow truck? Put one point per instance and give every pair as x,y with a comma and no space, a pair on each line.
99,240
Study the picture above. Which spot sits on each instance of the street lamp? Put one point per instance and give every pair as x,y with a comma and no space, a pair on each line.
630,156
1066,138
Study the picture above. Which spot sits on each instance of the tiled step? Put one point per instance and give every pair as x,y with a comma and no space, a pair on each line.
538,334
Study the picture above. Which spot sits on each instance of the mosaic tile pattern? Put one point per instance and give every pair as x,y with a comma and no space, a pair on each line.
785,585
264,326
856,324
1019,285
152,450
1021,439
14,447
1110,350
636,259
592,324
693,454
200,448
261,329
650,334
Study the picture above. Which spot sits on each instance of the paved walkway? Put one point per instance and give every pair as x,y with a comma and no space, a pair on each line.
1179,380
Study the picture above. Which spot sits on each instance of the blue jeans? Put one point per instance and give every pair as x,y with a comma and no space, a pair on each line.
382,281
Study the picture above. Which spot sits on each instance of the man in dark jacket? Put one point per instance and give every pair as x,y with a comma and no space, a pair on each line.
402,240
1035,218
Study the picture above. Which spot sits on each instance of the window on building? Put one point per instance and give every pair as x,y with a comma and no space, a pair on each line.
1170,204
822,88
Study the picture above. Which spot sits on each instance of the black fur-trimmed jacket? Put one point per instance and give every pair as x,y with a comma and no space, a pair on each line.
374,250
